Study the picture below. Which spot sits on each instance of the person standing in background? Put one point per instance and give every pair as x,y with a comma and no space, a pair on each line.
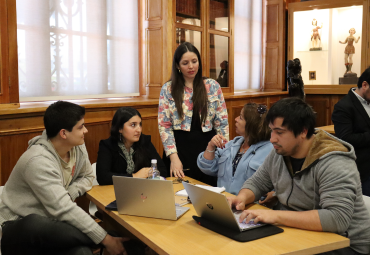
191,111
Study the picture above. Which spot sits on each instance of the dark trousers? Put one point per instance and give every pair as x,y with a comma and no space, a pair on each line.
366,187
35,234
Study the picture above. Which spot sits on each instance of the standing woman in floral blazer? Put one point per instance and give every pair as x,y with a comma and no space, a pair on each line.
191,111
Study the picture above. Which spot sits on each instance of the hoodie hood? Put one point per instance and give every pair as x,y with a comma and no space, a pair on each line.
324,145
43,141
40,139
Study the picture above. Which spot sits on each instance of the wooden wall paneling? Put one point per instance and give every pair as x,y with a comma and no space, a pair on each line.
96,132
230,88
150,127
21,125
154,10
12,147
154,38
321,105
13,54
272,70
4,53
273,99
275,45
158,45
9,96
291,1
141,41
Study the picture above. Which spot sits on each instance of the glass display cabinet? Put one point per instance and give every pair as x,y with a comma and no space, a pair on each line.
329,38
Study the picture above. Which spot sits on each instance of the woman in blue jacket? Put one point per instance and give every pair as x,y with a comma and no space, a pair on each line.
235,161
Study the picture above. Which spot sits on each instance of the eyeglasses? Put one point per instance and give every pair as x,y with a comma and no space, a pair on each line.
261,109
179,180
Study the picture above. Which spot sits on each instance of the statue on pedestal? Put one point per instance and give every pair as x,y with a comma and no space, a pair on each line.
349,51
295,82
315,36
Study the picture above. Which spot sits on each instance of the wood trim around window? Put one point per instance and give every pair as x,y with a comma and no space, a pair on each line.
9,95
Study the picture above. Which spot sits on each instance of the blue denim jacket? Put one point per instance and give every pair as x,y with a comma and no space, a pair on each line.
221,165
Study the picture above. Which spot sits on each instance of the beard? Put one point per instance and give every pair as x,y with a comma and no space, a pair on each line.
283,152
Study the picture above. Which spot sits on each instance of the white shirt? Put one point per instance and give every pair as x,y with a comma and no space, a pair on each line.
364,103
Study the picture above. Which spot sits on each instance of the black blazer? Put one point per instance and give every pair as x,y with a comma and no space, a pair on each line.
352,124
111,160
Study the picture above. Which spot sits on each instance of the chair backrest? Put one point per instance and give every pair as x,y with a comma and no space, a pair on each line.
95,182
92,206
367,203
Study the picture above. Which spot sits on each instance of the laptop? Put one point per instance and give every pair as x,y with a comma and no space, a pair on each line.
215,207
147,198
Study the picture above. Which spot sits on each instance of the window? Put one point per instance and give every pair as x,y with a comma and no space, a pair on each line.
77,49
247,44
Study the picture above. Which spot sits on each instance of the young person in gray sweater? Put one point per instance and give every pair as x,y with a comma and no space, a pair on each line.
37,210
315,178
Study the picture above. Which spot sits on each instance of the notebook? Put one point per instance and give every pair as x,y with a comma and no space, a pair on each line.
214,207
147,198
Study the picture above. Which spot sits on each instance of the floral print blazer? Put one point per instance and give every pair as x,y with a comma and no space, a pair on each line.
168,118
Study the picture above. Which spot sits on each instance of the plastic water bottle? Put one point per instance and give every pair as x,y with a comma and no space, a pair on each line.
153,172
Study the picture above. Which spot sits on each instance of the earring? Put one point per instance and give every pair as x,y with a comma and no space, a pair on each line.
179,71
121,138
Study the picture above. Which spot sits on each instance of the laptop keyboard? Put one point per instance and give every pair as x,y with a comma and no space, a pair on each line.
246,225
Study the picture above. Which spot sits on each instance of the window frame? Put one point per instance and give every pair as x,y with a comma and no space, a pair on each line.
9,93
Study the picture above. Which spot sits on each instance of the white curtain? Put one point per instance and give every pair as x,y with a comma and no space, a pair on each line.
72,49
247,44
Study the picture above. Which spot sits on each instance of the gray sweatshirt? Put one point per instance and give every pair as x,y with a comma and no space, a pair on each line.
35,186
328,182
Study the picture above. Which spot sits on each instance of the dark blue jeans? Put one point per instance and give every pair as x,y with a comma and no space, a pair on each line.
35,235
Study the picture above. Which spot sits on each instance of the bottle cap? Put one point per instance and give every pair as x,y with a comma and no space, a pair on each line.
154,161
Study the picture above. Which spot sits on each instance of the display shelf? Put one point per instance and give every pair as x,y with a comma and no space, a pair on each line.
330,22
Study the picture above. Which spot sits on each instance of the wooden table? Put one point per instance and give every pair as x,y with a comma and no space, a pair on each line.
329,129
184,236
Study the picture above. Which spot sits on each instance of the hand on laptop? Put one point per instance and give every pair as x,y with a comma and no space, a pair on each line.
236,202
142,173
265,216
114,245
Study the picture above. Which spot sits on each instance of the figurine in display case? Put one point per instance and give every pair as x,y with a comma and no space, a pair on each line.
349,51
315,36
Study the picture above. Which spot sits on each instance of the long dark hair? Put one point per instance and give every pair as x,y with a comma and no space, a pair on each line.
122,115
178,83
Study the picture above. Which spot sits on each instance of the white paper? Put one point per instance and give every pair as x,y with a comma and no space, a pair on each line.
183,192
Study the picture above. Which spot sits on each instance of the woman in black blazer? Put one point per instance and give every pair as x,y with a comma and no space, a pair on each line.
127,152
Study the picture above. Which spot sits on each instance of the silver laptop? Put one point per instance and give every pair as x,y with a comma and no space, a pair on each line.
148,198
214,207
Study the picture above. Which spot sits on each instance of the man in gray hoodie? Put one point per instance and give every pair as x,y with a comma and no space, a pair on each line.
37,210
315,178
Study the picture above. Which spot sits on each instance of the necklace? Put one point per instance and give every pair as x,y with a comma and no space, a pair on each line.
242,150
